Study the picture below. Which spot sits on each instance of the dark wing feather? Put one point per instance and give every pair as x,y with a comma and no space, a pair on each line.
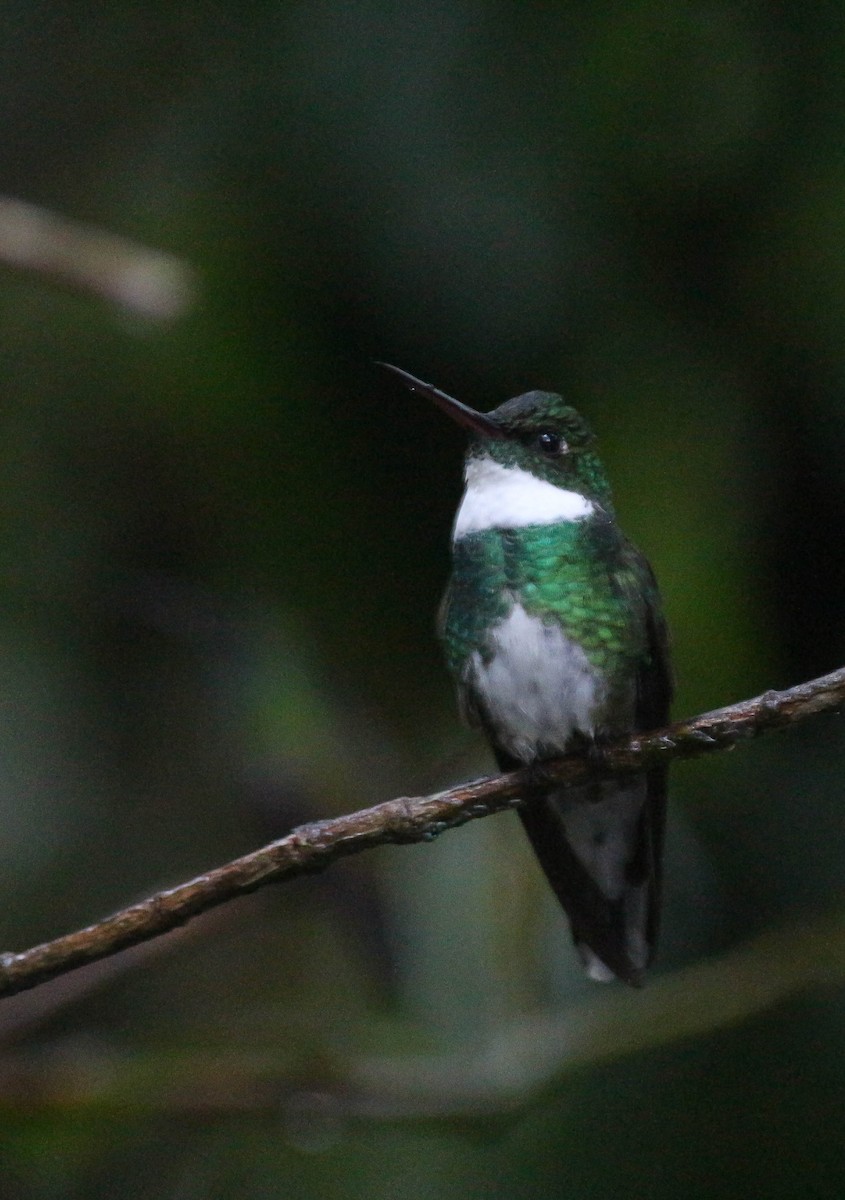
654,698
566,827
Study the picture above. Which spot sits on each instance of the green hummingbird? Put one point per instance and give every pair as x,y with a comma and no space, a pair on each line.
553,632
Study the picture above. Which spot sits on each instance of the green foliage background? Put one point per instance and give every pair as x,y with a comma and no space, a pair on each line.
222,544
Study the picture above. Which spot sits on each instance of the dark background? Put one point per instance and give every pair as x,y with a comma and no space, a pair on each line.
223,540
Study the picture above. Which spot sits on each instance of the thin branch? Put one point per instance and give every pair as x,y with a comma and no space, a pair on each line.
314,846
148,283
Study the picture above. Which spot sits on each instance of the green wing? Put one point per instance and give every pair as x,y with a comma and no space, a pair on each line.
610,602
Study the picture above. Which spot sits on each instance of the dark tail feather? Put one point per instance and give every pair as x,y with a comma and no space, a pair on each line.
601,848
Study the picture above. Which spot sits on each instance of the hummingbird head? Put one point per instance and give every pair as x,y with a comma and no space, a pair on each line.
538,433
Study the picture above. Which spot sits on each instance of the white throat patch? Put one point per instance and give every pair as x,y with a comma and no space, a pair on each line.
498,497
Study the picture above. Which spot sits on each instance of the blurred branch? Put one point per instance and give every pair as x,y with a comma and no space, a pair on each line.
314,846
145,282
523,1057
533,1051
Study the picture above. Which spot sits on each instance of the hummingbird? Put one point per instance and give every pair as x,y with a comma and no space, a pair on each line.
553,632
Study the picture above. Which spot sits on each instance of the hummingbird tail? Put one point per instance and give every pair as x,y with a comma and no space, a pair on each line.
601,849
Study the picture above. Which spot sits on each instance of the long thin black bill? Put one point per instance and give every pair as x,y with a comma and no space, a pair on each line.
464,415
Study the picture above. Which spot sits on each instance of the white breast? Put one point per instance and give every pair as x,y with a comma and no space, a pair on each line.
499,497
537,689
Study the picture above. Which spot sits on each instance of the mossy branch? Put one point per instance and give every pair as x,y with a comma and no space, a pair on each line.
315,846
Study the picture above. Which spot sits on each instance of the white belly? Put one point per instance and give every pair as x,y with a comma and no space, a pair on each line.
536,689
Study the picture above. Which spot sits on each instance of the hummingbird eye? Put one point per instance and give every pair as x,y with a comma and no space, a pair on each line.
550,443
